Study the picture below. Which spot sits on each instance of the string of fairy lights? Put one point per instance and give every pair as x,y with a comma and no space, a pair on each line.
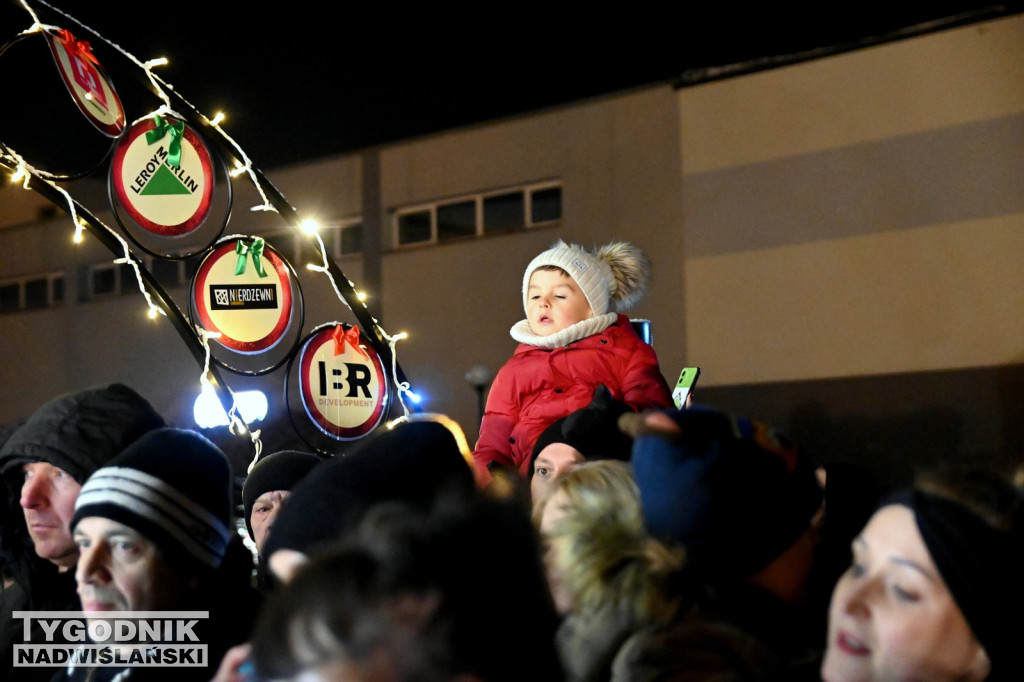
25,174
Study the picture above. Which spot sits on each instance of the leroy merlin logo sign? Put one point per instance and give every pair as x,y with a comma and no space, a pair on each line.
163,177
158,178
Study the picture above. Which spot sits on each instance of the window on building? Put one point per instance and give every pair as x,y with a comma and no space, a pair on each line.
102,280
168,273
415,228
10,297
350,239
504,212
492,212
456,220
344,238
545,205
37,293
110,279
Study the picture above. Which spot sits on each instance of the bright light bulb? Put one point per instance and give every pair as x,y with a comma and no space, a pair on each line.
217,118
309,226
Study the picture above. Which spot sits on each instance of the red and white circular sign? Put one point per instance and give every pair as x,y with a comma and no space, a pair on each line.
342,382
162,175
251,312
87,82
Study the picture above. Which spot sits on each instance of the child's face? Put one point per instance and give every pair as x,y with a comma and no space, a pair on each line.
554,302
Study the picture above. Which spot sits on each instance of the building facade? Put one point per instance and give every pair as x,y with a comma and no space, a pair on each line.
836,243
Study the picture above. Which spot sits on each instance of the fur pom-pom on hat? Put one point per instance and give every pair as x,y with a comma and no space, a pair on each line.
617,273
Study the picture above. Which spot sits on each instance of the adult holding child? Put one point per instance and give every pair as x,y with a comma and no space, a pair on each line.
570,343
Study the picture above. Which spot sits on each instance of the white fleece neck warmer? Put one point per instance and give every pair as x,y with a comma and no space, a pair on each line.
522,333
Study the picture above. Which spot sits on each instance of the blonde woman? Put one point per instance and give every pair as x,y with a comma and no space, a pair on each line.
625,597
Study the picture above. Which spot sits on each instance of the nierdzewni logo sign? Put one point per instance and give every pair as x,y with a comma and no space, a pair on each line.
250,296
243,291
120,639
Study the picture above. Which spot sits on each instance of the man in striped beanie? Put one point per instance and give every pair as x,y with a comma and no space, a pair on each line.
155,532
172,487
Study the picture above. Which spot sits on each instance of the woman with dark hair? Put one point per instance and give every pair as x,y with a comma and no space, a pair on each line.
934,587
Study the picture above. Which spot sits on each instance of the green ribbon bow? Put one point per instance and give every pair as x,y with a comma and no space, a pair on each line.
176,130
256,249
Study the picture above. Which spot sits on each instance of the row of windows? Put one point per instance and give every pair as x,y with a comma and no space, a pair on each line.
31,293
113,279
469,216
344,239
110,279
102,280
479,214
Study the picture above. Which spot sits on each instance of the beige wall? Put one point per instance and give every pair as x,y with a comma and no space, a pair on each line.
859,214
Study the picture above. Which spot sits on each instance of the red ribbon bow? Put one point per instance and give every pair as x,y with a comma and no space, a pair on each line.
340,336
76,47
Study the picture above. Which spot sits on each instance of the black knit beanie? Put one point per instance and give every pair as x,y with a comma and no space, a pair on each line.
80,432
592,430
412,463
174,487
277,471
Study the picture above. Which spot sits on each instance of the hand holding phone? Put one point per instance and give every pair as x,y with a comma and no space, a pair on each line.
684,386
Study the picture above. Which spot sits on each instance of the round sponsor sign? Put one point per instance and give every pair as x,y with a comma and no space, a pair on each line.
244,290
87,82
162,175
342,383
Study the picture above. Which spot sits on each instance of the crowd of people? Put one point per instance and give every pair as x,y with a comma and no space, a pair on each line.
596,532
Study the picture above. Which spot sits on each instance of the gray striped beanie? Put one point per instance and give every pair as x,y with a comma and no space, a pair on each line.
174,487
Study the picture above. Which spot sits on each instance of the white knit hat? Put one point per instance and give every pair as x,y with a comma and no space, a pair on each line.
617,273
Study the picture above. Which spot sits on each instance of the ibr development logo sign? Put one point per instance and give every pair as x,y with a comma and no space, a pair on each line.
120,639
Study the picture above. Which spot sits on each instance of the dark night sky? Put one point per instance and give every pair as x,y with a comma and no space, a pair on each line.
303,81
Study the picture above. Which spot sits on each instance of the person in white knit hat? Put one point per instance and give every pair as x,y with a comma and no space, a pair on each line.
572,340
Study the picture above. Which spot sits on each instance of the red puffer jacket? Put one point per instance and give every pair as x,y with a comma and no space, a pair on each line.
539,385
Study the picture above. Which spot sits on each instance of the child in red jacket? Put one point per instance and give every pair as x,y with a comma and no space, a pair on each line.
569,344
